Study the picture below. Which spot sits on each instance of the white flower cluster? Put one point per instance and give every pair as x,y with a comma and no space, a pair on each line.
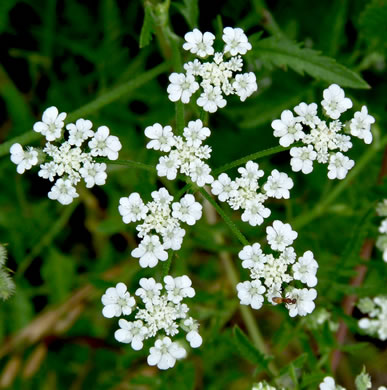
241,193
362,382
269,274
161,314
186,154
324,141
221,76
376,322
161,218
381,242
69,161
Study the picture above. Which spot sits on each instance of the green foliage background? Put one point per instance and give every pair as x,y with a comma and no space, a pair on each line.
108,61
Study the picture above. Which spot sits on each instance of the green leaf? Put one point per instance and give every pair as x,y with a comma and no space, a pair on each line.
190,10
58,272
281,52
372,24
248,350
147,27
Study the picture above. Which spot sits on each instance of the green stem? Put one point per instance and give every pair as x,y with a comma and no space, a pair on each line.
247,315
129,163
179,117
238,234
339,188
93,106
47,238
253,156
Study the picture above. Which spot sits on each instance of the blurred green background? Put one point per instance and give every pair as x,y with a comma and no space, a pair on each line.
72,53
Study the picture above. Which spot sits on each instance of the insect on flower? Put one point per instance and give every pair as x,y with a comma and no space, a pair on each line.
288,301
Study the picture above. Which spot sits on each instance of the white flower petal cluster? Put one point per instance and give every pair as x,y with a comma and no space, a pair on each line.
362,382
263,386
186,154
242,193
68,156
217,78
323,142
376,323
160,313
271,276
160,229
329,384
381,242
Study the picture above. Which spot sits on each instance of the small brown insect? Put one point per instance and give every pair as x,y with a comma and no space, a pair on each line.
289,301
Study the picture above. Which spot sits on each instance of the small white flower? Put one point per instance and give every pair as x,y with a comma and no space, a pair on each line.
150,251
162,137
339,165
48,170
278,185
162,197
132,208
52,124
168,166
251,293
255,212
93,173
236,41
24,160
211,99
195,133
79,131
302,159
199,43
224,187
149,291
199,172
307,113
181,87
251,172
173,238
328,384
361,125
178,288
104,145
245,85
117,301
252,256
383,226
187,210
280,235
194,339
287,128
305,269
335,102
63,191
193,67
304,301
165,353
131,332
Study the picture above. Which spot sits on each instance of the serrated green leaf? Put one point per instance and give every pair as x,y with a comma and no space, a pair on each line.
147,27
247,350
190,10
281,52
